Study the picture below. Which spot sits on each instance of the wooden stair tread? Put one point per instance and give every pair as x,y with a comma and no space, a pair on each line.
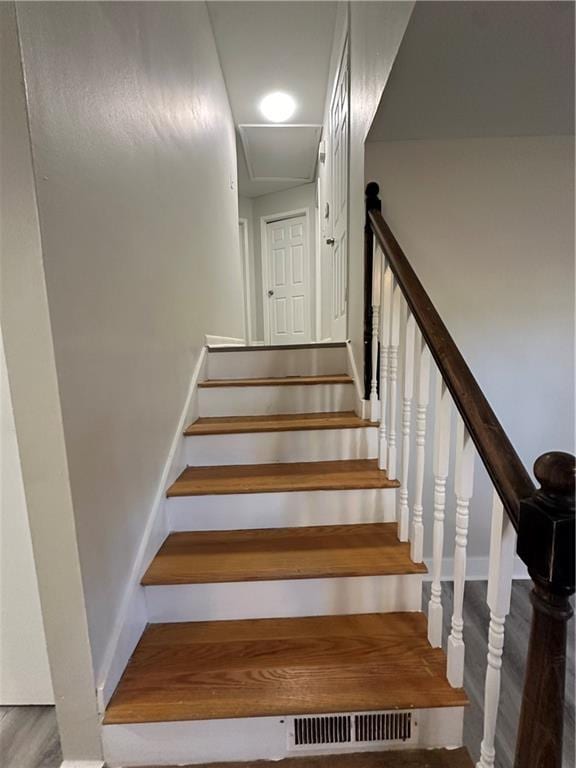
279,381
275,667
282,422
268,347
272,478
404,758
281,553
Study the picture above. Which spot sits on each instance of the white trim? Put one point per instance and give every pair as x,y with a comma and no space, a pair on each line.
361,404
193,742
301,179
82,764
318,266
477,569
243,223
132,616
264,221
224,341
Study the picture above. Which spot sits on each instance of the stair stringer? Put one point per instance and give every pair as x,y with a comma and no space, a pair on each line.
194,742
133,615
361,406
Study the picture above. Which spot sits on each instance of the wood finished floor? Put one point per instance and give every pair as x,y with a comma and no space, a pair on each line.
276,478
280,422
28,735
279,381
209,557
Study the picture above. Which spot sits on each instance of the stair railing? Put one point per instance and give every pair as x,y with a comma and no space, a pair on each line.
537,524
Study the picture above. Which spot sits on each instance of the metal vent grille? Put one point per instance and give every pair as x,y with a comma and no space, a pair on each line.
336,729
355,729
384,726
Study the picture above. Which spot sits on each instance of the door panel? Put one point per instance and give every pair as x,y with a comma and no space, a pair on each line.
288,295
339,142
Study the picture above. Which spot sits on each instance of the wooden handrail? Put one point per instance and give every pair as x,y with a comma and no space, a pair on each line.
502,463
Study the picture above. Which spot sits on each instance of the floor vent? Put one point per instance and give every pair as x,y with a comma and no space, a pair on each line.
351,730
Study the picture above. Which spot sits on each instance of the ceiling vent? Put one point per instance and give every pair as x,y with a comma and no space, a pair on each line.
342,732
281,152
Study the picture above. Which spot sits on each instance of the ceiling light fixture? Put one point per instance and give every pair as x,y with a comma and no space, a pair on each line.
277,107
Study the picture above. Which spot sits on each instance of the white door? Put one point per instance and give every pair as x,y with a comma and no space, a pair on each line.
287,283
339,142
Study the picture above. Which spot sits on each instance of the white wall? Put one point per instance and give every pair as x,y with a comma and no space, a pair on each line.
25,327
303,197
246,211
488,225
24,672
134,152
376,31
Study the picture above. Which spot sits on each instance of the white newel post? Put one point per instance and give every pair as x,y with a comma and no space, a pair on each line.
403,511
422,399
463,487
502,550
441,465
376,288
385,319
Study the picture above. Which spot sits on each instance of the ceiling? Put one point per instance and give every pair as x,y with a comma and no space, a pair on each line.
480,69
275,46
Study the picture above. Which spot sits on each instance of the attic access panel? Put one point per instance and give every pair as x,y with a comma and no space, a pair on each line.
281,152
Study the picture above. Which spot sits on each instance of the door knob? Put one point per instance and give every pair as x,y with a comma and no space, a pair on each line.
330,241
270,293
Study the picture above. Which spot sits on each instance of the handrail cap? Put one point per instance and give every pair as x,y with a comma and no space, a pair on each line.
556,472
372,189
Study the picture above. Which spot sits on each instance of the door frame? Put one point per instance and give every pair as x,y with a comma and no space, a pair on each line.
243,224
264,221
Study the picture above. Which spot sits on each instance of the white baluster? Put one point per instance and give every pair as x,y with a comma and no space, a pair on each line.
403,509
463,487
441,464
385,321
376,288
422,399
390,495
502,549
393,380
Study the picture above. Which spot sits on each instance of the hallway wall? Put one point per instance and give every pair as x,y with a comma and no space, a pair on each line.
376,31
135,161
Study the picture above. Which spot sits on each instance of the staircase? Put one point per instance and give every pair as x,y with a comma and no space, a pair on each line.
284,611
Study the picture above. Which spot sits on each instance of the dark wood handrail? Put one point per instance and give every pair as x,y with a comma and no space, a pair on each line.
506,470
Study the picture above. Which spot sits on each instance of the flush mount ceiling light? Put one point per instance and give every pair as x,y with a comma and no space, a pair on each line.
277,107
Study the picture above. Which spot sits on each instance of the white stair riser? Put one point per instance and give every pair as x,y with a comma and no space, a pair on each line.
290,509
283,598
249,738
277,362
269,447
256,401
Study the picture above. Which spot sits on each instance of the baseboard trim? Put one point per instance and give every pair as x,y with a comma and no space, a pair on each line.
477,569
133,615
82,764
224,341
